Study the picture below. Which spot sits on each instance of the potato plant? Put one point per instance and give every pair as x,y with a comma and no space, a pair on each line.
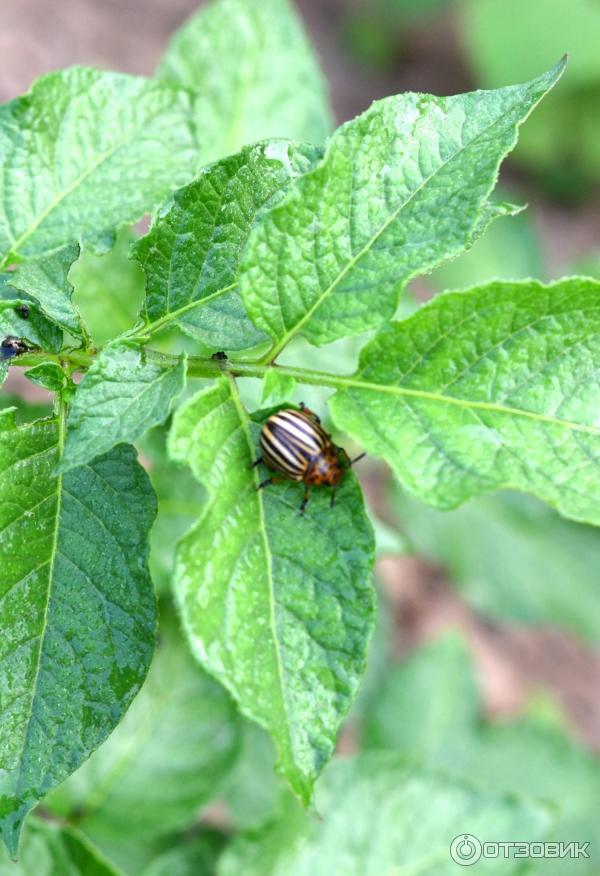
269,230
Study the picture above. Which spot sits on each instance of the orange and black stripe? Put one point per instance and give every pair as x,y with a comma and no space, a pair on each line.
290,440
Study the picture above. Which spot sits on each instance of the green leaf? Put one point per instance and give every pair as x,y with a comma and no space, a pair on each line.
277,388
84,151
253,75
109,289
53,850
191,254
485,389
78,610
400,189
34,327
165,761
513,558
381,815
121,396
49,375
277,606
46,281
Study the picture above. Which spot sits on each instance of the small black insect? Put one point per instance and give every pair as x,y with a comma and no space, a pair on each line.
219,357
295,445
22,310
12,346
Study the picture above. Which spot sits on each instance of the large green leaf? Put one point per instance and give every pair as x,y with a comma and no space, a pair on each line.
78,609
191,254
277,606
253,75
400,189
493,387
85,151
121,396
380,815
46,281
163,763
513,558
53,850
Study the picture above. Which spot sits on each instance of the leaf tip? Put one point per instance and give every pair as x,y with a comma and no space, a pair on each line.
10,832
559,68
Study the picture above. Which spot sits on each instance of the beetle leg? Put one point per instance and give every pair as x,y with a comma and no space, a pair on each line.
357,458
305,499
256,462
332,502
268,482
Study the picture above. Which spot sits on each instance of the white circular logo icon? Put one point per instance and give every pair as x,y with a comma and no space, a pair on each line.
465,849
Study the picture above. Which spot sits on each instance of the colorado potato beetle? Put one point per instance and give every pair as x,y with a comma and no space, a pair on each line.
294,444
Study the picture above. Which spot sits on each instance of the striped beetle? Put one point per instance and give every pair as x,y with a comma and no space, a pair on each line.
294,444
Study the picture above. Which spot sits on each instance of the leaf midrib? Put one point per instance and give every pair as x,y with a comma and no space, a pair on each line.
264,537
61,196
173,315
61,425
392,218
492,407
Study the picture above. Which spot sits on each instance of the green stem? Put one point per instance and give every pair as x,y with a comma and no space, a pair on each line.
78,360
210,368
197,366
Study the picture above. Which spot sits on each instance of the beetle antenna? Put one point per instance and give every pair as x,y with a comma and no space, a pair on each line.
357,458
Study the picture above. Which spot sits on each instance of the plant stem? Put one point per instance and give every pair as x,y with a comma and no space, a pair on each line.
197,366
200,367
